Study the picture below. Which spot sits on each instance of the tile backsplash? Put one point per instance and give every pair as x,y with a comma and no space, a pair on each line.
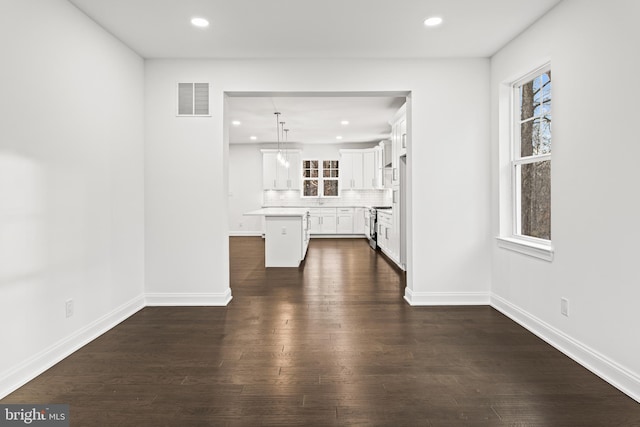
272,198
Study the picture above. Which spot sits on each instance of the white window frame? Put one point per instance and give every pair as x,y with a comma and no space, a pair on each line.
511,238
320,179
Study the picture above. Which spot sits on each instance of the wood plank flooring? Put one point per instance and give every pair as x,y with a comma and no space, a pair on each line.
329,343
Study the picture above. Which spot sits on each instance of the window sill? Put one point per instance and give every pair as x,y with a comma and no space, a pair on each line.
536,250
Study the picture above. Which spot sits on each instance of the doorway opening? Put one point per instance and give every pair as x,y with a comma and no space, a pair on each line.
319,125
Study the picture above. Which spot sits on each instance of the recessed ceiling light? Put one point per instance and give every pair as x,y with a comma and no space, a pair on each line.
199,22
433,21
338,137
253,138
344,122
236,123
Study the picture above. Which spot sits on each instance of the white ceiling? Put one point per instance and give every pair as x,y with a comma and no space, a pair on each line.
314,29
312,120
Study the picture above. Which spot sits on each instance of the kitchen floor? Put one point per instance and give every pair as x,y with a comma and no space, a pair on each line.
329,343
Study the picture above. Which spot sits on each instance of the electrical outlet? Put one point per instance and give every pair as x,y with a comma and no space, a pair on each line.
564,307
68,306
284,230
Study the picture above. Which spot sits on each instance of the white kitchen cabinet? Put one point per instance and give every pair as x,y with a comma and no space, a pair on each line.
323,221
394,244
370,170
270,168
385,232
344,220
294,171
286,235
359,220
388,234
388,238
276,176
402,145
360,169
398,148
398,142
351,170
367,223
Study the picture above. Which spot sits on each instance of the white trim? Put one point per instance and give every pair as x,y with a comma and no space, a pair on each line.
531,159
624,380
338,236
530,75
445,298
189,299
527,247
246,233
284,150
32,367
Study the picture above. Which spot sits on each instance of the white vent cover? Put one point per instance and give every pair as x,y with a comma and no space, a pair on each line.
193,99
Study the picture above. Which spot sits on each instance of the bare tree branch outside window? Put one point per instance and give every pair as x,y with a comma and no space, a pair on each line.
535,174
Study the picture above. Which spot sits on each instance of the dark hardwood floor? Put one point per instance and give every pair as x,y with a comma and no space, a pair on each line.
329,343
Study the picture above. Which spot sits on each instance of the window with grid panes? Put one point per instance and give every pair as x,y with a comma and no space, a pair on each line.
330,178
531,163
310,178
320,178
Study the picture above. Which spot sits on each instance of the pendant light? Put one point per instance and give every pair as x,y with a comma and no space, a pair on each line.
282,158
286,153
279,155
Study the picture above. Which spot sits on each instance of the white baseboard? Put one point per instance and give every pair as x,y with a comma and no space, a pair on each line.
45,359
446,298
616,375
189,299
246,233
338,236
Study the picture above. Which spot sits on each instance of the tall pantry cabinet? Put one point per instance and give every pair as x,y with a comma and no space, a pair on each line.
398,148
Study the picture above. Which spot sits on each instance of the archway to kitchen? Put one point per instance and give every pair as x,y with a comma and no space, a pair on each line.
320,134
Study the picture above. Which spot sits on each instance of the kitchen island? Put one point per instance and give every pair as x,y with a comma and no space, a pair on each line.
286,235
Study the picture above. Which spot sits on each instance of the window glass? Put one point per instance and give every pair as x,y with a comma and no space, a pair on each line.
535,199
532,161
320,178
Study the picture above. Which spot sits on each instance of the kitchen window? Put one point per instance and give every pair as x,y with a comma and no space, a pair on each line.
531,165
320,178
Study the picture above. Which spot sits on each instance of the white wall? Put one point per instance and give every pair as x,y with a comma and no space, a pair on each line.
595,204
71,183
245,188
187,193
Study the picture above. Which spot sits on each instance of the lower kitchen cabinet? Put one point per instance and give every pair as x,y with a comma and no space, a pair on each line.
344,220
388,238
385,228
359,220
340,221
323,220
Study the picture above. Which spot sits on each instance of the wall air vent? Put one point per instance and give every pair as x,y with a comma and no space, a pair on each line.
193,99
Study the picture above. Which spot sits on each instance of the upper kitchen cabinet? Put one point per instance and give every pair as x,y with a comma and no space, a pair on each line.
276,175
360,169
371,169
351,169
398,141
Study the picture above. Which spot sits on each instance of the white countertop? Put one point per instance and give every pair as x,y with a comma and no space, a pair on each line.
279,212
323,206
